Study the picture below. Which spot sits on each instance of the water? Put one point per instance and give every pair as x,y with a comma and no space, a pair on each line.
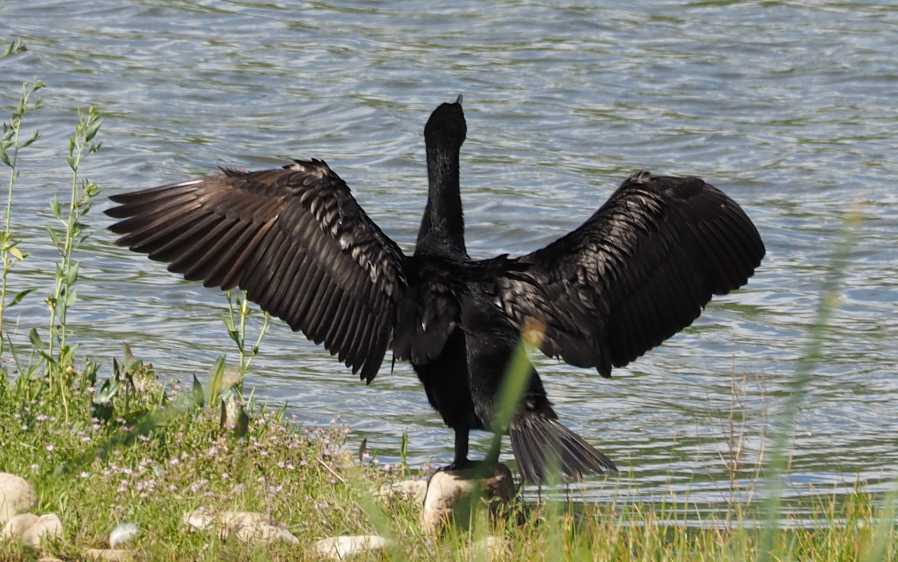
789,107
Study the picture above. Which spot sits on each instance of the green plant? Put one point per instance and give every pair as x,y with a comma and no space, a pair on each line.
237,331
11,143
73,233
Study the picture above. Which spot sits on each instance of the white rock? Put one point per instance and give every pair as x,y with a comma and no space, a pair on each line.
123,533
249,526
46,526
454,490
16,527
263,532
234,520
199,519
109,555
414,490
16,496
348,545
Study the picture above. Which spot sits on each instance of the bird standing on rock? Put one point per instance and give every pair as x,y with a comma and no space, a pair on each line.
636,272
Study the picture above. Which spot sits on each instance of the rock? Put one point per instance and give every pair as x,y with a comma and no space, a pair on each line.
16,496
414,490
348,545
263,532
123,533
48,559
249,526
454,491
491,548
46,526
109,555
16,527
199,519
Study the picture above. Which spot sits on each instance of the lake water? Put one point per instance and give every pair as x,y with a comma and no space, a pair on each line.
789,107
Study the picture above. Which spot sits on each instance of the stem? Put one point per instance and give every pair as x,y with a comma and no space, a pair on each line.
8,253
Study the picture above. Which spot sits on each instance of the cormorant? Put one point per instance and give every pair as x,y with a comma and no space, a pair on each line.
636,272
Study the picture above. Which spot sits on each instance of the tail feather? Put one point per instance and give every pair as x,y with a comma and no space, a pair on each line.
540,444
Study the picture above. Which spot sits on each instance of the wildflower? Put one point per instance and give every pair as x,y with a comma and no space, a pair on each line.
49,447
85,439
84,474
34,466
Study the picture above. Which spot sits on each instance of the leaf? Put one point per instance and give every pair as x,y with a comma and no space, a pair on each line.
129,357
71,295
216,378
3,157
242,427
34,136
56,207
18,298
199,398
72,276
53,235
15,251
92,130
35,339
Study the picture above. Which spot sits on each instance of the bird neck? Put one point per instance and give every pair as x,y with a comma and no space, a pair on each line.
443,225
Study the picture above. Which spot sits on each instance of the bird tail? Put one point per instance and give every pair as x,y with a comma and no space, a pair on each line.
541,446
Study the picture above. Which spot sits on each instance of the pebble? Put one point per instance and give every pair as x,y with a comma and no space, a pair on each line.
16,527
109,555
414,490
337,548
16,496
248,526
454,490
263,532
46,526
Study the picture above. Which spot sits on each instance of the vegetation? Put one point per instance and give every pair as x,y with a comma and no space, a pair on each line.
135,449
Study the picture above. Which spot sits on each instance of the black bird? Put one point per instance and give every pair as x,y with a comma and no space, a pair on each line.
636,272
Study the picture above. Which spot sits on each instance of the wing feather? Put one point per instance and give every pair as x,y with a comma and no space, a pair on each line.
635,273
295,239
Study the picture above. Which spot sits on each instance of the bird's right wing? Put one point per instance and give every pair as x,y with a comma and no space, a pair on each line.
295,239
635,273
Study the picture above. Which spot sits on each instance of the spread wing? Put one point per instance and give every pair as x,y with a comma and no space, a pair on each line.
295,239
635,273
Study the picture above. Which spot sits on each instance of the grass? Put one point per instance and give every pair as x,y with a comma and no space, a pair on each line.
142,449
96,475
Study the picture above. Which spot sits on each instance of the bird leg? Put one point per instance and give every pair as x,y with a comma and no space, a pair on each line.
461,450
461,460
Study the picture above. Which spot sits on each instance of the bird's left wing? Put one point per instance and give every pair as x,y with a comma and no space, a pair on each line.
635,273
